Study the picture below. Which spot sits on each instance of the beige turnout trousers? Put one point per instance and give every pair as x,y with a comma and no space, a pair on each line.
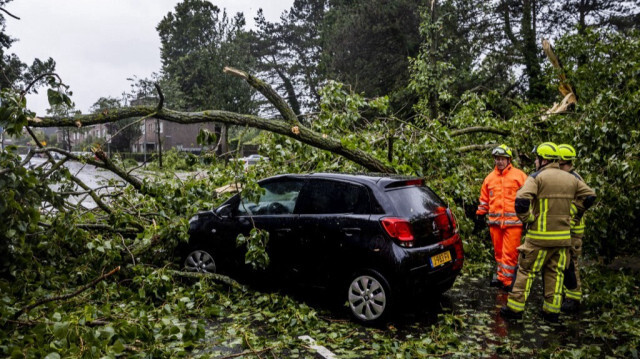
533,260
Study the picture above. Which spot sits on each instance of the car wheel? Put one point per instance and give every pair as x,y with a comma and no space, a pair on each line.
369,297
200,261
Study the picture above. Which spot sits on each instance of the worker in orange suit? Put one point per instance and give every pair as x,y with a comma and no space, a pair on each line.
497,204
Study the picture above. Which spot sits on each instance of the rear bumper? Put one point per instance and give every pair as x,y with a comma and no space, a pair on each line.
418,275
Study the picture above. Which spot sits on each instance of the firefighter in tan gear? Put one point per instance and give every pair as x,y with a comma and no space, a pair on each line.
497,201
544,203
572,288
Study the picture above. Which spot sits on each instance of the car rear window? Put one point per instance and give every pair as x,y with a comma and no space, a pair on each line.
414,201
326,196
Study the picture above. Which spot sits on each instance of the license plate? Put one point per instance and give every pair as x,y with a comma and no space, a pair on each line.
440,259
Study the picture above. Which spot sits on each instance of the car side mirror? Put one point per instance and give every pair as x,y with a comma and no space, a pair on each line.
224,211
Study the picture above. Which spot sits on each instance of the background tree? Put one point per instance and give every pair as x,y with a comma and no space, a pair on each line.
454,57
197,41
570,15
368,45
13,71
289,52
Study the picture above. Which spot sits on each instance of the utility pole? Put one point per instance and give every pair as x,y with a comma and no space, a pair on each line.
144,141
159,142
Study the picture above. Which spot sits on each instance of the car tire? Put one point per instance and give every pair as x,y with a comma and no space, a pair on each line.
369,297
200,261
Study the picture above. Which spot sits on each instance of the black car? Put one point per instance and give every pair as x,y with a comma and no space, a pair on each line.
374,237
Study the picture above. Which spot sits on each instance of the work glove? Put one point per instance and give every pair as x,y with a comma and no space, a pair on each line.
479,223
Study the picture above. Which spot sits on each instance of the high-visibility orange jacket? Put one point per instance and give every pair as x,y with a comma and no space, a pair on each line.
498,196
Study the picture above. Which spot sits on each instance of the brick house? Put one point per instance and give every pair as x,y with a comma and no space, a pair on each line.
172,135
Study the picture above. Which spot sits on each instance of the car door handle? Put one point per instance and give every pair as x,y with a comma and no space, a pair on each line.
349,232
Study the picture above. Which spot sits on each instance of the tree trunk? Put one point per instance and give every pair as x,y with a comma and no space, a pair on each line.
289,126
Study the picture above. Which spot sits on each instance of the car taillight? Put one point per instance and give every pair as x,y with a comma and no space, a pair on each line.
452,219
399,229
444,222
456,242
459,254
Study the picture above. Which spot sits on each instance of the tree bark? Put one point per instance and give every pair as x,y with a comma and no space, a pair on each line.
290,127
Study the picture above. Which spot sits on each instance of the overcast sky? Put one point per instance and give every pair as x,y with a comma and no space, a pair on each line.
98,44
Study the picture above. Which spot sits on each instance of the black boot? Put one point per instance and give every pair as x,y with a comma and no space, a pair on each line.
507,313
495,282
570,305
550,317
506,288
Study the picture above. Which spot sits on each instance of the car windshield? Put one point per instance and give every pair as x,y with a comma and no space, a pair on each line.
278,198
414,201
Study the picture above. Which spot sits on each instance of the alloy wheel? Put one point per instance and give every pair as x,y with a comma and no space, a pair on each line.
200,261
367,298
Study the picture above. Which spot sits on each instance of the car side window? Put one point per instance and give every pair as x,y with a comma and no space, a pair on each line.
326,196
279,198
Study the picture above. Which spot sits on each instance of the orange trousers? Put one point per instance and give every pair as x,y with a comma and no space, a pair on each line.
505,246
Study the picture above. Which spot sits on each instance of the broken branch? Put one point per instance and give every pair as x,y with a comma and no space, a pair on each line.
66,296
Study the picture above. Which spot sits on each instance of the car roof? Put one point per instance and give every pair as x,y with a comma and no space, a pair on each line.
381,180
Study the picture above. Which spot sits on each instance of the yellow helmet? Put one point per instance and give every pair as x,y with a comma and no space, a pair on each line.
547,150
567,152
502,151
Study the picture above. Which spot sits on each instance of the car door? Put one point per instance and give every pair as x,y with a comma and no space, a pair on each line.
335,224
273,211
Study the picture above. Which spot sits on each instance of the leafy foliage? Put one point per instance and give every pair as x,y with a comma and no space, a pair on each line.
148,309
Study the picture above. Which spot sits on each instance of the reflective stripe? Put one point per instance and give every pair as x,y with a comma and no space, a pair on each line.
573,210
502,214
504,222
557,291
536,268
550,235
542,220
572,294
484,203
504,272
513,222
506,266
515,305
550,308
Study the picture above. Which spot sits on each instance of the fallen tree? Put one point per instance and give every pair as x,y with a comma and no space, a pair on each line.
288,126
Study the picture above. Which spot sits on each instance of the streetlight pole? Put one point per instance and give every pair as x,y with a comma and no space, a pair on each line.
144,140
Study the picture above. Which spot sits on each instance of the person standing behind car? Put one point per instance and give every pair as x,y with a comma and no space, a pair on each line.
497,200
572,288
545,203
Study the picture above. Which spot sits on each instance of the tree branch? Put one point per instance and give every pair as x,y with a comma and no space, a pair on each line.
285,110
8,13
161,96
247,352
104,162
26,90
476,147
214,276
66,296
474,129
304,135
